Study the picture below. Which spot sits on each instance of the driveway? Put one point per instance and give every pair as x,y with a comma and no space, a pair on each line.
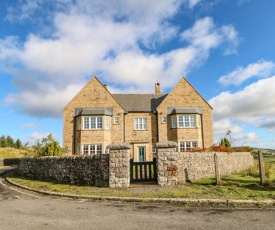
31,212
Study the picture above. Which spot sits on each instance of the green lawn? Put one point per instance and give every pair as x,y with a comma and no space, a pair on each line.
237,186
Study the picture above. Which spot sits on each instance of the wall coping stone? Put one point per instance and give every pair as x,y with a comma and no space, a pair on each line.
166,144
119,145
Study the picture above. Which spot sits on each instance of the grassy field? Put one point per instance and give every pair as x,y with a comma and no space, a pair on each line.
14,153
237,186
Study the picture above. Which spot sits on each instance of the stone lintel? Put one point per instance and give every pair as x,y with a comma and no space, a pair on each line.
119,145
166,144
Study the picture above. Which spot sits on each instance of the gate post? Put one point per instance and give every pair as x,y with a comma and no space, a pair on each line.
119,165
167,163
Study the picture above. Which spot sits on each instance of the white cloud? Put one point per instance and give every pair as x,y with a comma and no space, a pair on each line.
30,126
247,139
46,102
261,69
222,126
36,136
193,3
205,35
108,40
255,100
253,106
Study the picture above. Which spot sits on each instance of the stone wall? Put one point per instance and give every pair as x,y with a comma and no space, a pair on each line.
9,161
79,170
174,167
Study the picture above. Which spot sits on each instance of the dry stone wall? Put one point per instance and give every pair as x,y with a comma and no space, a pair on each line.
79,170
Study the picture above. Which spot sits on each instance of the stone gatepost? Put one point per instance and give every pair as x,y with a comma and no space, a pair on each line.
167,163
119,165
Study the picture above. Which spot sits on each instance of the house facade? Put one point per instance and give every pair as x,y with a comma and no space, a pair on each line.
94,118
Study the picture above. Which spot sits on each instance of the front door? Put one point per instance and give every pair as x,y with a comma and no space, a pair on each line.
141,154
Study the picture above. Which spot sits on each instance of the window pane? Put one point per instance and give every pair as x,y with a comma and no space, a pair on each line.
86,123
92,150
85,149
192,121
107,123
98,149
173,122
99,123
181,124
144,123
93,122
182,146
188,145
186,121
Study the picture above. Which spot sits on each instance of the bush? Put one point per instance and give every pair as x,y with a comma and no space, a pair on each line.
225,142
47,147
219,148
242,149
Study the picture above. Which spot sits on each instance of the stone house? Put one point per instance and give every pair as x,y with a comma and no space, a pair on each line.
94,118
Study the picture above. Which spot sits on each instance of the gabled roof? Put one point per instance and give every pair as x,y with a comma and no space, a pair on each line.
139,102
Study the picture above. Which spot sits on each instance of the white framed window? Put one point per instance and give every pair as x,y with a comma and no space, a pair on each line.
116,120
92,123
141,123
174,122
92,149
164,120
187,145
187,121
107,123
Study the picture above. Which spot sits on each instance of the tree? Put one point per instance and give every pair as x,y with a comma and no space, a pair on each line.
10,141
47,147
18,144
225,142
3,141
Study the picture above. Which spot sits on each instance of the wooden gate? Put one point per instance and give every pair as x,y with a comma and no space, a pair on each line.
143,171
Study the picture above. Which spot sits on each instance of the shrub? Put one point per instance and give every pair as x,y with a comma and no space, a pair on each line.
47,147
242,149
219,148
225,142
197,149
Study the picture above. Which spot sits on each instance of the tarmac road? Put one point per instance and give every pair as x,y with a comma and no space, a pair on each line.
27,211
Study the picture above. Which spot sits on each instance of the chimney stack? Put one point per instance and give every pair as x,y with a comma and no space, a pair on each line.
157,88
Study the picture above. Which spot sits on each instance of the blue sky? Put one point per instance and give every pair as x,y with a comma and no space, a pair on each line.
225,48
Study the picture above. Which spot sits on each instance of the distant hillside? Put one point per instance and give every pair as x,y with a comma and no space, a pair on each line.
266,152
14,153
